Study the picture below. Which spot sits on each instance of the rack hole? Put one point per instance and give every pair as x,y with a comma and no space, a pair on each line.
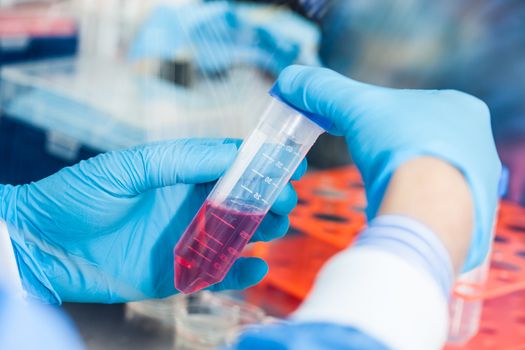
501,265
516,227
521,253
295,231
331,218
329,193
500,239
355,184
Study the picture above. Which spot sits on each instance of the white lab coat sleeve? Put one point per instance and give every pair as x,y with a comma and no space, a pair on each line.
387,286
9,275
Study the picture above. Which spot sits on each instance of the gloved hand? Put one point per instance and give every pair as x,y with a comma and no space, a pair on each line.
104,229
384,128
216,36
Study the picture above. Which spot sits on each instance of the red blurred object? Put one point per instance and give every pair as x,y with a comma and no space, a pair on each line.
18,23
329,216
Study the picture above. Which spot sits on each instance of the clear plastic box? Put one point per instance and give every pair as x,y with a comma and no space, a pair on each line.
202,321
58,112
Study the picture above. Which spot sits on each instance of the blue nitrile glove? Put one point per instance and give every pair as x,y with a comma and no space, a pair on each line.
385,128
215,35
306,336
104,229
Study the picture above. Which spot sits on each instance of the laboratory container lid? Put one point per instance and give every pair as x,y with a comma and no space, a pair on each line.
323,122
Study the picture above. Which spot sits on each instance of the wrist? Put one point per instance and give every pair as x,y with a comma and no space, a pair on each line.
437,195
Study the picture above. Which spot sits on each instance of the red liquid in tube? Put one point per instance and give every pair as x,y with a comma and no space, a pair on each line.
211,244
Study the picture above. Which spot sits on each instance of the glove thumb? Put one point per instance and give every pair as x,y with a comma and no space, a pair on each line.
186,161
190,161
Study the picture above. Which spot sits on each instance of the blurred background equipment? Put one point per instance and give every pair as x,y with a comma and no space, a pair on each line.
30,35
476,46
55,113
201,321
180,71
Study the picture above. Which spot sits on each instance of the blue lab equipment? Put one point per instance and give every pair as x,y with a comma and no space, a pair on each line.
219,35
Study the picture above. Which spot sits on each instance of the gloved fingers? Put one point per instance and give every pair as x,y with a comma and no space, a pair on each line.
195,161
326,93
286,201
272,227
245,273
189,161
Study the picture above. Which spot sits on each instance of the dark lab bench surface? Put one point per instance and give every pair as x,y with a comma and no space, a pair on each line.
105,327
